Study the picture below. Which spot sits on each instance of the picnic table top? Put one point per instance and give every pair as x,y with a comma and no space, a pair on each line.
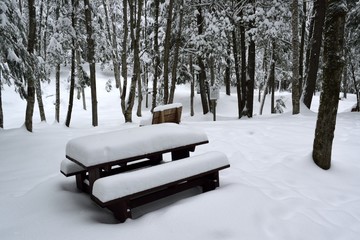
93,150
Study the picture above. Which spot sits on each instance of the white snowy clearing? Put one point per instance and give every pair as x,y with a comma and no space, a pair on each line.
272,190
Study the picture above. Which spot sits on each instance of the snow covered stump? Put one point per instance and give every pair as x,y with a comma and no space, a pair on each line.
122,192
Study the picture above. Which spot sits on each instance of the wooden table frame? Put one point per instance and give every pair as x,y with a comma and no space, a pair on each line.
95,172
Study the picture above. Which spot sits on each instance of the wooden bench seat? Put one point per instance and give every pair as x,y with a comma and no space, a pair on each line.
122,192
70,168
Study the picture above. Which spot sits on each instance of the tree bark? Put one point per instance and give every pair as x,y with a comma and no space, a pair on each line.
91,60
157,54
167,52
243,70
75,4
202,75
135,37
29,72
295,57
192,90
124,57
112,39
269,80
227,77
302,47
329,99
237,73
250,84
72,88
176,54
39,100
314,54
1,108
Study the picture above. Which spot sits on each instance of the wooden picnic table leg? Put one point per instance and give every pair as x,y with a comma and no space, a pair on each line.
182,153
80,178
179,154
94,174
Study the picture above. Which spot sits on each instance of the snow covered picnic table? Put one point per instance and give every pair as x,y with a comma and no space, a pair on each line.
102,165
95,156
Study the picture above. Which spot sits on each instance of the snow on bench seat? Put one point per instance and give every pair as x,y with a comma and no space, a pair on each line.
70,168
121,185
109,147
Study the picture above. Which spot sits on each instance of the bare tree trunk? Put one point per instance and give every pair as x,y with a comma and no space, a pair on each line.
57,80
314,54
75,4
243,70
295,57
329,99
227,77
91,60
271,78
39,100
140,92
72,89
167,52
112,39
176,54
1,108
237,73
202,75
30,74
157,54
135,37
124,57
302,47
352,67
192,90
250,85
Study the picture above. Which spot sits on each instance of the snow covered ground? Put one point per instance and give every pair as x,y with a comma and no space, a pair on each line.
272,190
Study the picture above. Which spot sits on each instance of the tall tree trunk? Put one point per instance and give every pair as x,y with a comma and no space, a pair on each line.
140,89
329,99
243,70
192,90
39,100
237,73
315,47
91,60
227,77
302,48
167,52
124,57
113,42
157,54
1,108
352,68
269,80
72,88
295,57
176,54
30,74
202,75
251,71
57,78
135,37
57,93
75,4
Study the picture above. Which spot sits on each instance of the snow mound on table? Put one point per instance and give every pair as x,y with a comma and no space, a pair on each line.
111,146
